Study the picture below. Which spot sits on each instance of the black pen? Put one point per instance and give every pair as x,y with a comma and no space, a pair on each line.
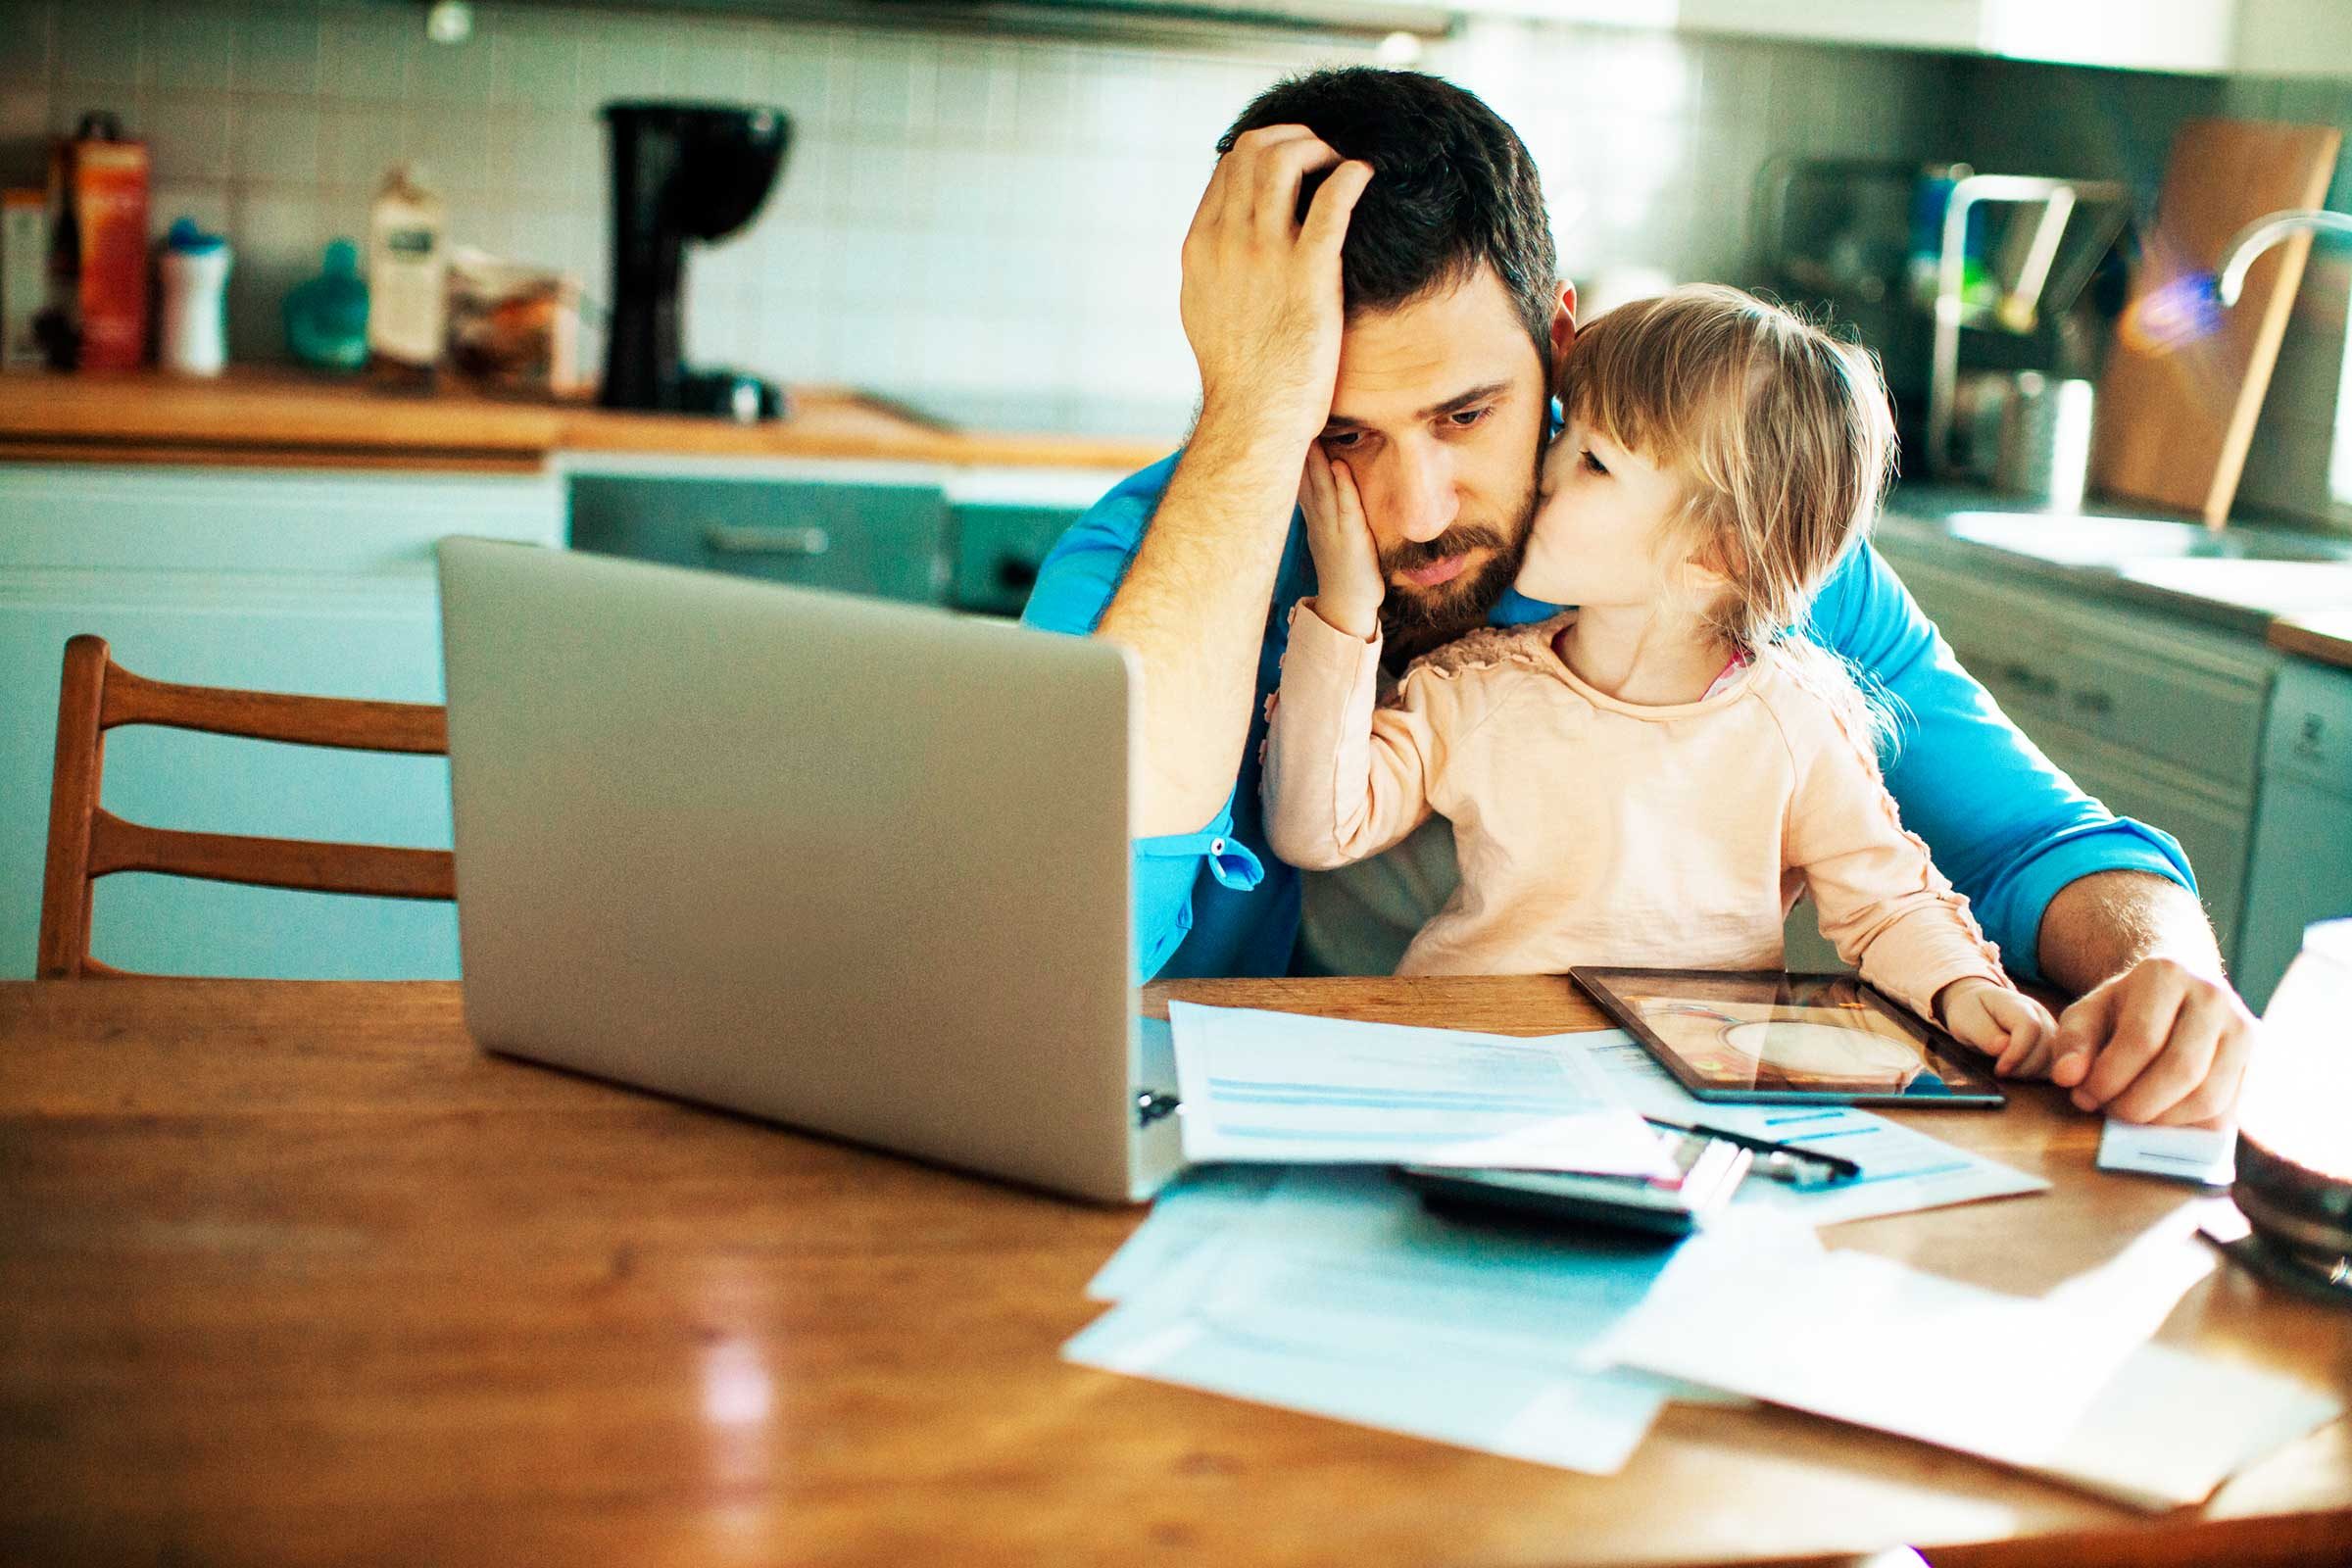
1839,1168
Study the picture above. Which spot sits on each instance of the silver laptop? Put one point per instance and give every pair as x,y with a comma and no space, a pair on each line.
855,867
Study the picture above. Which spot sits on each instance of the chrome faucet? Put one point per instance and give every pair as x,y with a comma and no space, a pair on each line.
2263,234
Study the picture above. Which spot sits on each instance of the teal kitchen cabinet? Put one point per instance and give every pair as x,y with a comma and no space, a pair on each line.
887,540
2158,715
969,538
2302,864
272,579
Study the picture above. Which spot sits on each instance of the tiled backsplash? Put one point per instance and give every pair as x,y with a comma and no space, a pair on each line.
966,217
958,214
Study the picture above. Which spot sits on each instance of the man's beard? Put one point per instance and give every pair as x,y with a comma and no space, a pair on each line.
1412,621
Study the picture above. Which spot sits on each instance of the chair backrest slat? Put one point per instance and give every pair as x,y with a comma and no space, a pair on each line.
305,865
87,842
339,722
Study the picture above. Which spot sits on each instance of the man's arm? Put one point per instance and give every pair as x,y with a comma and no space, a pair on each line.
1262,308
1074,587
2094,902
2002,822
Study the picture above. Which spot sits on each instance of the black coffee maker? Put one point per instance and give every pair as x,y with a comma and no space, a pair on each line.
680,172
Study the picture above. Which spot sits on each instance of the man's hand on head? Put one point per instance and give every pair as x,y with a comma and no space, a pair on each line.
2158,1035
1261,303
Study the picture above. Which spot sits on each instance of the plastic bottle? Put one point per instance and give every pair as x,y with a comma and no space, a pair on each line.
407,274
326,317
194,269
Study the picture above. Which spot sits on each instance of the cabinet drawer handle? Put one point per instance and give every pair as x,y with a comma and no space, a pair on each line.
2094,702
747,539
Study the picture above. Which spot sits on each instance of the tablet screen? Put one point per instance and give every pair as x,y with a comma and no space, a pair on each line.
1765,1035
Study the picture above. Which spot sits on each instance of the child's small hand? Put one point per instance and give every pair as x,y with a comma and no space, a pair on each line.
1349,587
2012,1028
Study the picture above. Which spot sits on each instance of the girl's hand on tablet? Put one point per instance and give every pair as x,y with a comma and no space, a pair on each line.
1349,589
2012,1028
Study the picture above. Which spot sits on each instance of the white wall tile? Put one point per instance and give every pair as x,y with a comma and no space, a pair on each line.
276,143
187,137
359,143
191,49
536,69
364,54
452,72
26,28
711,64
452,143
279,49
100,45
957,211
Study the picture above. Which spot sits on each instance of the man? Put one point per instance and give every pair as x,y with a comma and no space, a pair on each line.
1370,269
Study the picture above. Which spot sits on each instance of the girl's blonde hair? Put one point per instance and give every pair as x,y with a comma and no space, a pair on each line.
1781,436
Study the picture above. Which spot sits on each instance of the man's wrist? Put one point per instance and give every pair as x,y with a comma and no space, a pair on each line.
1275,428
2107,923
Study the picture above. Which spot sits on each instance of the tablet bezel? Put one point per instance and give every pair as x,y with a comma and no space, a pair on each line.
1969,1085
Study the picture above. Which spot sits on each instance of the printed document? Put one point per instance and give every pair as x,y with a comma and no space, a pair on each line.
1332,1290
1903,1169
2042,1385
1287,1087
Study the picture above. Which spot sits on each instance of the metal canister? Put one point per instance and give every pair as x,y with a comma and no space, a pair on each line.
2045,440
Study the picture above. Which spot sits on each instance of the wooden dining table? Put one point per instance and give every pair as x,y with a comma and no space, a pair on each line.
293,1273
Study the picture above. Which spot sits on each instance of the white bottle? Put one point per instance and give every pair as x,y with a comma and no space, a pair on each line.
408,266
194,268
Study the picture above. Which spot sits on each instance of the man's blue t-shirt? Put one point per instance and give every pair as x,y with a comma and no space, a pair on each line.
2008,828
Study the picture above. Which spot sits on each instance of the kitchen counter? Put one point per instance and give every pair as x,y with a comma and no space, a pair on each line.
283,417
2324,636
2290,586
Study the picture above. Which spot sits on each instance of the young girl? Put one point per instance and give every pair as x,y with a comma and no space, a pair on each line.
1651,778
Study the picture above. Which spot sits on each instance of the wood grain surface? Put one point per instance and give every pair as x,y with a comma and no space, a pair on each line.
290,1273
2324,635
283,416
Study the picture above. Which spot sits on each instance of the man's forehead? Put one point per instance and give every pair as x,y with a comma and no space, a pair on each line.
1430,350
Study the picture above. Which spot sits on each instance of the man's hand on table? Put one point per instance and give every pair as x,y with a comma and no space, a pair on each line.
2157,1034
2159,1042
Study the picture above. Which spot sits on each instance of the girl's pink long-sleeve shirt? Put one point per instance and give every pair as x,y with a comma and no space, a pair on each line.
1591,831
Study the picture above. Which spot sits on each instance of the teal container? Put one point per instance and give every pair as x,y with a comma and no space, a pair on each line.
326,317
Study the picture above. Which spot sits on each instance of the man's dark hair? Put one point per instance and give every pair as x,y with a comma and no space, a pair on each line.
1453,187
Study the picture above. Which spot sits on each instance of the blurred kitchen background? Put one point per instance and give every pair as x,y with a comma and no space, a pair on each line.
989,225
963,284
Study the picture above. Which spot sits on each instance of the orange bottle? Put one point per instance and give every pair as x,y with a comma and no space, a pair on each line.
98,186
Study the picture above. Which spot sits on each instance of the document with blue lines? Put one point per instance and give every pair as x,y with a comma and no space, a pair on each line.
1261,1086
1903,1169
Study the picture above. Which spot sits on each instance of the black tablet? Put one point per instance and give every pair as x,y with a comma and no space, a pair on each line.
1766,1036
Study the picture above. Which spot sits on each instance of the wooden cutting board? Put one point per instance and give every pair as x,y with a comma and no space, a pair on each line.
2175,412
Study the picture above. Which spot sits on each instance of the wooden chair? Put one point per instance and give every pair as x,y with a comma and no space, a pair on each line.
86,841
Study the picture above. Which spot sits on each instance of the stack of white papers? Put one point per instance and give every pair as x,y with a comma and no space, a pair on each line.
1334,1292
2046,1384
1285,1087
1323,1286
